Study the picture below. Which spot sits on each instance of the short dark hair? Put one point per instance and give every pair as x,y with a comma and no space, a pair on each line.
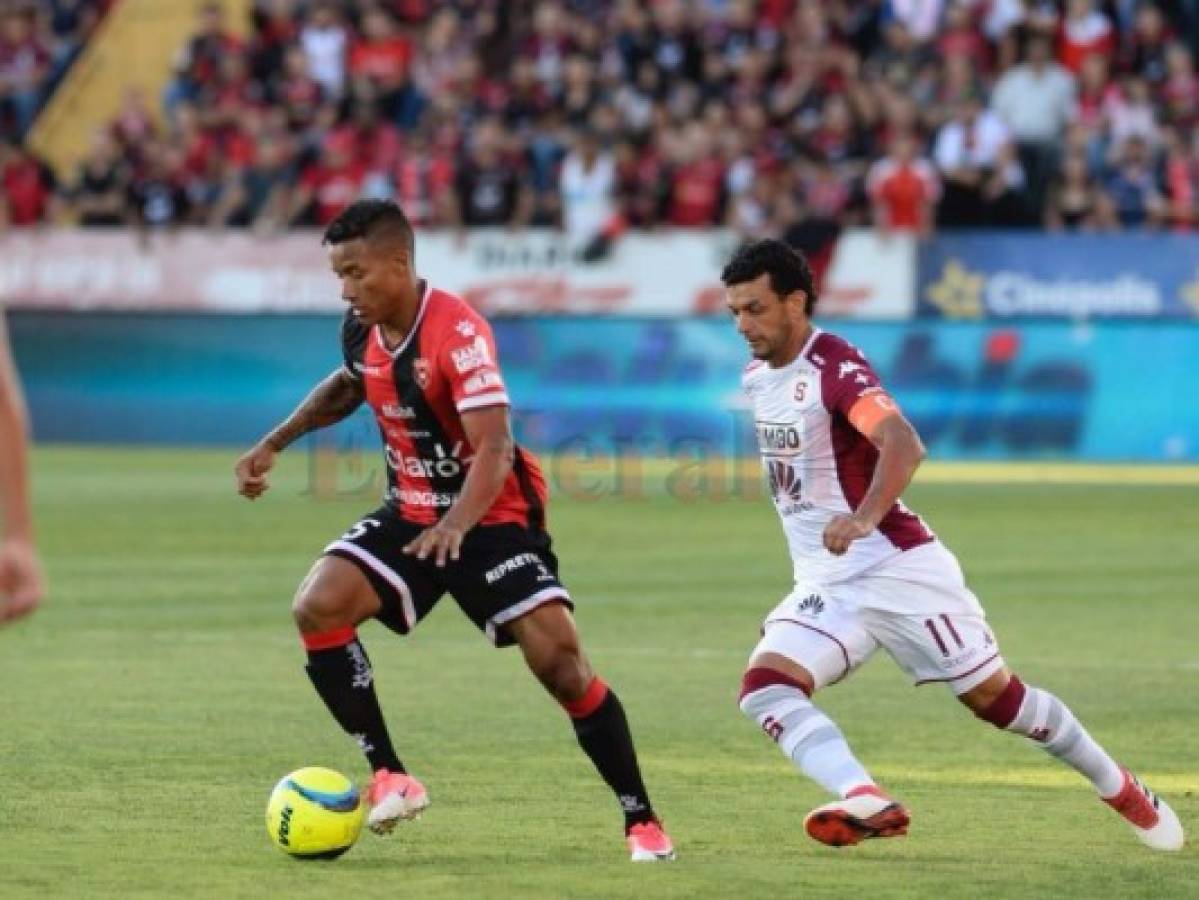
786,266
371,219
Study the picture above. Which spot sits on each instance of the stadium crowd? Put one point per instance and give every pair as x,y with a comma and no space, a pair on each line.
776,117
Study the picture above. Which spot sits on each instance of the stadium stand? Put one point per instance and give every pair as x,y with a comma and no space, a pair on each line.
784,117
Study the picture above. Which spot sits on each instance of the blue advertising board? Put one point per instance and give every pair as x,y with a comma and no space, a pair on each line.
976,390
1000,275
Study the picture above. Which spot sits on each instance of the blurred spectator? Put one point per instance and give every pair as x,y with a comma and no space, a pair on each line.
1180,177
1131,114
330,184
24,69
1084,31
68,23
1035,101
1180,88
488,187
1133,186
904,189
1076,202
1146,47
696,178
157,198
101,186
588,209
920,18
324,40
199,62
382,55
424,181
970,150
29,187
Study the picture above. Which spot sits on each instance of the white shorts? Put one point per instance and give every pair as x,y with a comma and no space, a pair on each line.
935,638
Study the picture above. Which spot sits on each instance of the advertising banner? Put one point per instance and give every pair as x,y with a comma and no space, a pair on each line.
601,385
500,272
1007,276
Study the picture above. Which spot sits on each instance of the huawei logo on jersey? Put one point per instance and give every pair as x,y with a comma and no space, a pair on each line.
421,372
784,482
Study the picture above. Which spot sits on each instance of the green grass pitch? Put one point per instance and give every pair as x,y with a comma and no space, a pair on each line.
148,709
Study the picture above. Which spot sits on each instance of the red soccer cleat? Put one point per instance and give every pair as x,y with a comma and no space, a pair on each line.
649,843
866,812
1151,819
393,796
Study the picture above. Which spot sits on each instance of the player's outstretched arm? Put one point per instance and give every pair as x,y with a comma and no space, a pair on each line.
328,403
21,580
900,452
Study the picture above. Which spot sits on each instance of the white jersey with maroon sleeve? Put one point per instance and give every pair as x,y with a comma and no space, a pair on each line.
820,466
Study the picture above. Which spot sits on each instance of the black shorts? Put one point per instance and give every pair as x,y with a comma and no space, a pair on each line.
502,573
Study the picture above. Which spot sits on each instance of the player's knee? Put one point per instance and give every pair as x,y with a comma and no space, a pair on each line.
317,608
757,679
564,672
996,700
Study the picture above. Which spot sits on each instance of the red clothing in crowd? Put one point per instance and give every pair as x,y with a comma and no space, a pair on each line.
385,62
903,191
1082,37
333,188
695,194
26,192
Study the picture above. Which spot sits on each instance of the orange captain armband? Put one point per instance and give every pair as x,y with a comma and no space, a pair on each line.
870,409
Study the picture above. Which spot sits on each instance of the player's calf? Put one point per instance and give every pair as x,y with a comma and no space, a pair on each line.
1039,715
549,641
779,704
327,607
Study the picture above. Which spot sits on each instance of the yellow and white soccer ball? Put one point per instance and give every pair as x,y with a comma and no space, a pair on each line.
315,813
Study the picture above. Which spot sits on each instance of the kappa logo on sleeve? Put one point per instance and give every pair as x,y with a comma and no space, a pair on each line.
471,357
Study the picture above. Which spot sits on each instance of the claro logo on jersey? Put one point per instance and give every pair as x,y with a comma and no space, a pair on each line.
446,465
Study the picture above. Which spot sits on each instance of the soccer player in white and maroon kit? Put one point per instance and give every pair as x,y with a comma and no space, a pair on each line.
869,572
464,514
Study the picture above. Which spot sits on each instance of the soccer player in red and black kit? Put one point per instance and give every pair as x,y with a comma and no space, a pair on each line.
464,514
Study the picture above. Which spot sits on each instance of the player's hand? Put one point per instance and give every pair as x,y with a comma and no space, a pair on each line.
843,531
251,471
442,541
22,584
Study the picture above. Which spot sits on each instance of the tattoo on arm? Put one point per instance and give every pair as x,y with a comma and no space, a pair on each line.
330,402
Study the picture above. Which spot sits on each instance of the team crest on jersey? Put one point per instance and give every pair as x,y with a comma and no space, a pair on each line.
811,605
421,372
466,328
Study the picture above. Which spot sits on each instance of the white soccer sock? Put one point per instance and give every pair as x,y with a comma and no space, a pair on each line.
1048,721
809,738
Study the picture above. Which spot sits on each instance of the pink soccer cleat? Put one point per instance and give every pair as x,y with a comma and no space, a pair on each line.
866,812
649,843
393,796
1154,823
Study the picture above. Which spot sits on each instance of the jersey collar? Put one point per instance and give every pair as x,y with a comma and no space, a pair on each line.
420,314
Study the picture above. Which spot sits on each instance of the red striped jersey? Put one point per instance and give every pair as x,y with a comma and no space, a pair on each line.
446,366
818,464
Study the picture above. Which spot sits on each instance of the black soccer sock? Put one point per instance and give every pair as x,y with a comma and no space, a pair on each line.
603,733
341,673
